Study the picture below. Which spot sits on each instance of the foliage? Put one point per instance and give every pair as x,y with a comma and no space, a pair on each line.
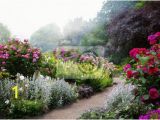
4,34
96,36
4,75
144,71
48,65
130,28
122,94
85,91
22,108
19,57
120,104
140,4
100,82
62,93
74,31
46,37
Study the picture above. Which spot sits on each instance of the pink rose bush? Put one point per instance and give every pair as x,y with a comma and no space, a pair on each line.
19,57
144,70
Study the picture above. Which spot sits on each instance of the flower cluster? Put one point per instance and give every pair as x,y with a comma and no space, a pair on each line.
88,59
154,114
145,70
17,56
66,55
153,39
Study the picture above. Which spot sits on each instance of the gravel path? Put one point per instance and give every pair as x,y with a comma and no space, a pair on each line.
74,110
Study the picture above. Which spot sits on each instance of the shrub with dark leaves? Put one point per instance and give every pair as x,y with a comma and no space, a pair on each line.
131,28
85,91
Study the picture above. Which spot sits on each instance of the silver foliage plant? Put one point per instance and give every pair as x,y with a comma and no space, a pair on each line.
62,93
37,88
121,94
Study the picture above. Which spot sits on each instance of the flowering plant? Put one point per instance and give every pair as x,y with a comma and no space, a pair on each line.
19,57
48,66
145,70
66,55
154,114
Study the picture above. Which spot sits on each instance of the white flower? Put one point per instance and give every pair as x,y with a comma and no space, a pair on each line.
20,89
21,77
26,85
7,102
47,78
41,76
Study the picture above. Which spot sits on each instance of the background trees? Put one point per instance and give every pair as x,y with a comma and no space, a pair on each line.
46,37
4,33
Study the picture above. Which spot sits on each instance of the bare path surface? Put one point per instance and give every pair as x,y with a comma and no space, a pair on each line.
74,110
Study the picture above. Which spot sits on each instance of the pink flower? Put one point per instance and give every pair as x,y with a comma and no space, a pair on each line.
133,53
126,67
26,56
152,39
3,63
157,34
153,93
34,60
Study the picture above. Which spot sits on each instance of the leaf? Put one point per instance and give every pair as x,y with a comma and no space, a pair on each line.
144,60
143,80
146,97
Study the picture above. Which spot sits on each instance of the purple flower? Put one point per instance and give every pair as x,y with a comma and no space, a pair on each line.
154,114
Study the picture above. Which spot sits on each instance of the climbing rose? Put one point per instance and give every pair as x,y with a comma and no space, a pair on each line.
153,93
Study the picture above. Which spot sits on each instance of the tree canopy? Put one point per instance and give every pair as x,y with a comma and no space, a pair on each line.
4,33
46,37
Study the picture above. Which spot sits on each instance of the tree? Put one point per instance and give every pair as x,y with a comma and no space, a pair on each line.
4,33
46,37
131,28
74,31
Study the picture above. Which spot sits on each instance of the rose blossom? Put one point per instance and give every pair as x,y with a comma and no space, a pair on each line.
153,93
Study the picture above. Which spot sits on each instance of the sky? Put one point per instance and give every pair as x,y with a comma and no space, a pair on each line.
23,17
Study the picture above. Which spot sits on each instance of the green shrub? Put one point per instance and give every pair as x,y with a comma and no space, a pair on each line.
4,75
98,83
26,108
48,66
62,93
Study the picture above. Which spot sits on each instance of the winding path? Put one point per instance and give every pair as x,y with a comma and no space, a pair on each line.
74,110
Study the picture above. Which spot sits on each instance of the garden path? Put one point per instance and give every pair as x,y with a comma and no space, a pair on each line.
74,110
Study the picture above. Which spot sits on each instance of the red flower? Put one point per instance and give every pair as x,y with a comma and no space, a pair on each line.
153,93
133,53
153,70
158,56
129,73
